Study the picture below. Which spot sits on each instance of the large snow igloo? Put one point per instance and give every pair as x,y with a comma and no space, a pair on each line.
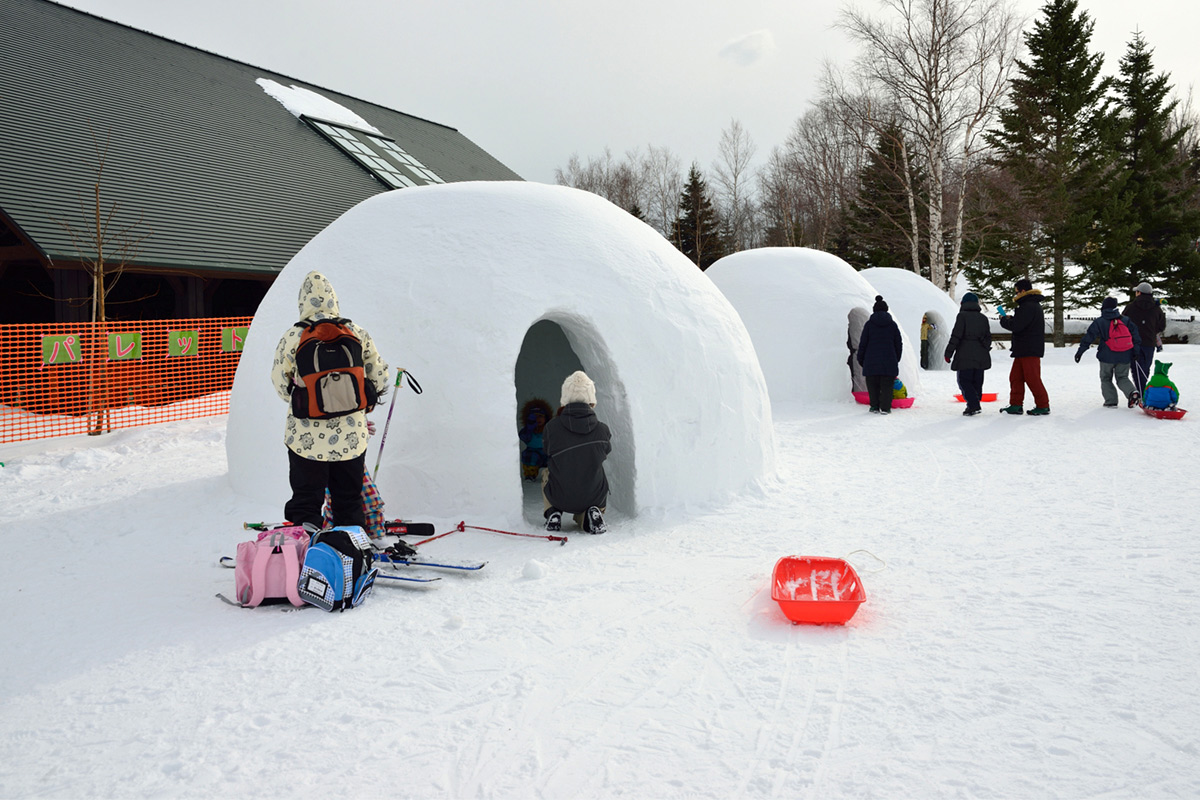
802,307
911,297
490,294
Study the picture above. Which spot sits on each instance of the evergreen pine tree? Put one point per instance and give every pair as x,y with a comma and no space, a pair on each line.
878,225
696,230
1054,145
1162,224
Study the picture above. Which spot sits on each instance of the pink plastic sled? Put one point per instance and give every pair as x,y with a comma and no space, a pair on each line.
897,402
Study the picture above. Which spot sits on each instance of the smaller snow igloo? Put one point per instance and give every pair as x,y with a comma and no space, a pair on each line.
801,307
909,297
490,294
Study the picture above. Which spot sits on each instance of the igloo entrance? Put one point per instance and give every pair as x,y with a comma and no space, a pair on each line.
857,320
939,337
551,350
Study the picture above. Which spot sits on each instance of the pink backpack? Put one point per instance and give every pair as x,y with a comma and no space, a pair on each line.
269,567
1119,337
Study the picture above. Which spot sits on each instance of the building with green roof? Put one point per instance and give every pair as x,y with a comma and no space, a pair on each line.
204,175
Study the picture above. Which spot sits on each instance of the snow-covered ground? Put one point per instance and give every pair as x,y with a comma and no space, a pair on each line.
1032,627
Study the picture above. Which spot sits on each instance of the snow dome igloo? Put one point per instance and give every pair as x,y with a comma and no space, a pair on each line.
490,294
910,297
801,306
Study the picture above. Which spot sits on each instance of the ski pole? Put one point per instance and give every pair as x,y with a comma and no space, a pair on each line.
416,387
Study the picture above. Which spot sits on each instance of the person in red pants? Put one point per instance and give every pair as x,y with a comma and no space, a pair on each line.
1028,326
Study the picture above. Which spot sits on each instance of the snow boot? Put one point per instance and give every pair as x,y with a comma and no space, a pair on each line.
554,521
1039,412
1134,396
1013,410
593,521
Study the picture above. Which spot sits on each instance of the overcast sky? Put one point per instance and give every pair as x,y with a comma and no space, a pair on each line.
533,81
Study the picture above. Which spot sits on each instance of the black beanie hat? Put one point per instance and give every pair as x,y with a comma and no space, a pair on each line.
1024,285
880,305
1109,302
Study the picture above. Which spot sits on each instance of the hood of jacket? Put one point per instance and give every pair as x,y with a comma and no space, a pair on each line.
1144,301
1109,313
880,318
317,297
1031,296
579,418
970,305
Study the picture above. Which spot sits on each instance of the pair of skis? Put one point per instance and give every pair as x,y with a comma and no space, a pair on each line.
392,556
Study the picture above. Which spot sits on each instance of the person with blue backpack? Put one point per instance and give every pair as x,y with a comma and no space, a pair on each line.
1118,344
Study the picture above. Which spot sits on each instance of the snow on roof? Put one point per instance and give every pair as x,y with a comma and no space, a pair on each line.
305,102
490,293
796,304
910,297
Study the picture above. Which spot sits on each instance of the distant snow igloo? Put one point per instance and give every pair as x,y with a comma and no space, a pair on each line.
911,297
490,294
805,310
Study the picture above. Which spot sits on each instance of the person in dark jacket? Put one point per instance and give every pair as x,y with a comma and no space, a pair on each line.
1148,315
1113,363
576,444
969,351
879,350
1028,326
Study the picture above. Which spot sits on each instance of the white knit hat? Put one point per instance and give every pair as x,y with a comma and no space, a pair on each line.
578,388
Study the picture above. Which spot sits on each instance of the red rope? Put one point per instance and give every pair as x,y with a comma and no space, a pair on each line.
462,526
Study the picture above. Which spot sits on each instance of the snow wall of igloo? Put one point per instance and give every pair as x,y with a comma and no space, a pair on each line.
909,296
796,304
451,281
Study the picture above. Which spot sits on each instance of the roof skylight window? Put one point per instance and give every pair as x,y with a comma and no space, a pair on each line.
381,156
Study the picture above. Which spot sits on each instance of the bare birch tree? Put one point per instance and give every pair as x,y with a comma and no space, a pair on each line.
734,189
940,69
663,173
620,182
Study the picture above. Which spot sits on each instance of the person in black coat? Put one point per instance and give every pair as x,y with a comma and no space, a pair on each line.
969,351
576,444
1028,326
879,350
1148,315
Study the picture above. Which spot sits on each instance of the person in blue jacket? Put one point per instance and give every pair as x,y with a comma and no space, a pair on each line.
1114,352
879,350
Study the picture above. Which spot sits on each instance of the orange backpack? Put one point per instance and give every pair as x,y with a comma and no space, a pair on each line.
329,360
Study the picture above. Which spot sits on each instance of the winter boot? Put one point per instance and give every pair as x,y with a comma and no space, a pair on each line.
1134,396
593,521
1013,410
1039,412
554,521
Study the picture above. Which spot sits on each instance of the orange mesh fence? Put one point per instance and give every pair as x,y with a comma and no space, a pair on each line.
84,377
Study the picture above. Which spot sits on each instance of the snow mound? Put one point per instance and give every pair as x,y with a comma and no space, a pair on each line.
490,294
909,297
301,102
800,305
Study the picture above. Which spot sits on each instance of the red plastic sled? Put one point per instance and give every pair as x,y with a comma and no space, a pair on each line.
987,397
897,402
816,590
1165,413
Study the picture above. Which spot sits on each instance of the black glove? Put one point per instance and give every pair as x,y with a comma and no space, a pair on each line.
1077,357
